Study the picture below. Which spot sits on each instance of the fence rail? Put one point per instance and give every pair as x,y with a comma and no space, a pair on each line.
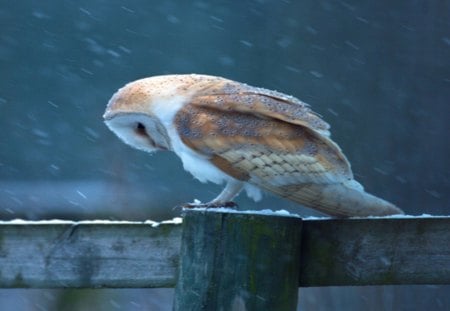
113,254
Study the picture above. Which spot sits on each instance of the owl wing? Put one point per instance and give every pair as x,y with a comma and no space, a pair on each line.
292,159
238,118
277,143
227,95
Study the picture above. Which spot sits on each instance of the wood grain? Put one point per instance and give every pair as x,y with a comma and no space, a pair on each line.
88,255
334,252
238,262
376,251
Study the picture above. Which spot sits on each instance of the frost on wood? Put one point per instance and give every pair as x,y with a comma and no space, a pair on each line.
174,221
267,212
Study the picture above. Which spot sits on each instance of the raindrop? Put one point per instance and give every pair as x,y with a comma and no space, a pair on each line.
311,30
333,112
115,304
217,19
82,194
54,167
352,45
127,9
173,19
379,170
85,11
433,193
293,69
400,179
113,53
94,46
124,49
86,71
246,43
91,132
284,42
226,60
363,20
40,133
316,74
52,104
40,15
446,40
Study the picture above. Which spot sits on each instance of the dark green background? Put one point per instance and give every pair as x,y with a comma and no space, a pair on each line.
377,71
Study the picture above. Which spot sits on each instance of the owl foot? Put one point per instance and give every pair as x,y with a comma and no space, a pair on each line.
210,205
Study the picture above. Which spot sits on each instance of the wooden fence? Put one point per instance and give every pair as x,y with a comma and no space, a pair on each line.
226,261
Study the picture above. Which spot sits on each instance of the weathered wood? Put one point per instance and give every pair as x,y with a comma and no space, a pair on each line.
334,252
88,255
238,262
376,251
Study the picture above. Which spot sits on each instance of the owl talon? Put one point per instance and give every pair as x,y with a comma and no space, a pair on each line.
229,204
210,205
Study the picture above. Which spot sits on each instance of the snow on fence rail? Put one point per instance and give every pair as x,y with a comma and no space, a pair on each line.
226,254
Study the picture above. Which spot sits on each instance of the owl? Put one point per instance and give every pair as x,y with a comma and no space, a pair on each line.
244,137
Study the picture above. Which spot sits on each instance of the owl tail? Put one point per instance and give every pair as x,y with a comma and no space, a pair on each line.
342,200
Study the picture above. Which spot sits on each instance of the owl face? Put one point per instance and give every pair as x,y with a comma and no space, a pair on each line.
130,116
139,130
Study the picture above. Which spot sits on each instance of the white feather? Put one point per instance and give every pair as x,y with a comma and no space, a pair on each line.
253,192
197,164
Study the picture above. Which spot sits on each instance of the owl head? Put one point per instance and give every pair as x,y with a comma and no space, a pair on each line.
141,112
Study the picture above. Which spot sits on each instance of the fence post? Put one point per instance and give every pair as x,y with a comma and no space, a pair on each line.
238,261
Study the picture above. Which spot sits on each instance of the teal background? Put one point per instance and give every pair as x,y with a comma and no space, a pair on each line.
377,71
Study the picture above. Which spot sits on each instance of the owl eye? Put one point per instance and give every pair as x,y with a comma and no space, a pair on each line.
140,129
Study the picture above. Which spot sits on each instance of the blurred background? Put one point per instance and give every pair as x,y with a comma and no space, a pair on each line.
377,71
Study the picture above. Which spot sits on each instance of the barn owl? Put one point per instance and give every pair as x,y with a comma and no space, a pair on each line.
244,137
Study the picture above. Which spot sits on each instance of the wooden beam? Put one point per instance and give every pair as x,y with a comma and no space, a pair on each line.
379,251
333,252
238,262
88,254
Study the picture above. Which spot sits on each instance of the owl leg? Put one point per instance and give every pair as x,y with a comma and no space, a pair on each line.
231,190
